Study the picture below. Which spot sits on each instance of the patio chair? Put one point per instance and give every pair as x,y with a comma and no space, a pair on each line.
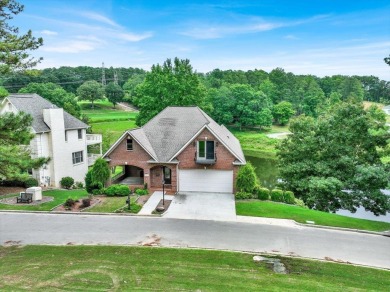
24,198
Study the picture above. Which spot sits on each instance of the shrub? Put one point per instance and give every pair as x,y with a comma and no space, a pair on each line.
244,196
246,178
117,190
22,182
263,194
277,195
86,203
88,182
97,191
300,203
288,197
145,186
100,171
79,185
30,182
67,182
141,192
69,203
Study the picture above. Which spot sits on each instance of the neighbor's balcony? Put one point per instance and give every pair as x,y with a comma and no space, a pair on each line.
94,139
92,158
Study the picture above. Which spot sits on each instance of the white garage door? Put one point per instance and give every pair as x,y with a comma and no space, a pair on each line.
199,180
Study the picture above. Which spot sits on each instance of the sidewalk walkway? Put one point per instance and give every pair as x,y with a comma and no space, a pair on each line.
152,203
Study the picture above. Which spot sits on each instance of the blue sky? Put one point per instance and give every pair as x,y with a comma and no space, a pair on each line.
303,37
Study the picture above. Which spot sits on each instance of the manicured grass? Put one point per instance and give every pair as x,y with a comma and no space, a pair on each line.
60,196
255,141
299,214
278,129
110,204
109,115
116,128
118,268
98,104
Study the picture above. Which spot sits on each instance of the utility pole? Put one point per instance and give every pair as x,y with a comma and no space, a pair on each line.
103,75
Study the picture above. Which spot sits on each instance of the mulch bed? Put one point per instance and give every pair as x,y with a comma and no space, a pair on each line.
77,207
10,190
166,205
143,199
12,201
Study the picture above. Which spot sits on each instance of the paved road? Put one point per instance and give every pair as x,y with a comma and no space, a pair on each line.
58,229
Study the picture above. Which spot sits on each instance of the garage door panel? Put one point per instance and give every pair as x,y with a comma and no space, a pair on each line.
199,180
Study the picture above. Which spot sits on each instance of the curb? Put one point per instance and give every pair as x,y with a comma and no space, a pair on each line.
77,213
385,233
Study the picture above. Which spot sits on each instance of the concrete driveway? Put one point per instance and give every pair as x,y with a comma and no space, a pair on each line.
203,206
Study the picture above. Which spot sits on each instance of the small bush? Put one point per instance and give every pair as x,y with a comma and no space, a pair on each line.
300,203
145,186
69,203
86,203
277,195
30,182
244,196
288,197
97,192
78,185
263,194
88,182
141,192
117,190
67,182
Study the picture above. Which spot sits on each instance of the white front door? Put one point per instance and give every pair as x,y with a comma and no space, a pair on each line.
208,180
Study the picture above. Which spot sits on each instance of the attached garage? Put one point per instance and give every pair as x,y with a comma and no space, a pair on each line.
206,180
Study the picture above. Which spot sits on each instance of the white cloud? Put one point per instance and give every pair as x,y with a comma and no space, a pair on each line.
72,47
255,25
291,37
131,37
49,32
100,18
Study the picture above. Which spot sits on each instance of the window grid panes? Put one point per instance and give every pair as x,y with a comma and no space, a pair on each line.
77,157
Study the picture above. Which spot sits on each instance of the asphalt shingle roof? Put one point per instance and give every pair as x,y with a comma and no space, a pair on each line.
172,128
34,104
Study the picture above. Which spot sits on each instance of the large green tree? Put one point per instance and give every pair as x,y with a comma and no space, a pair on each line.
282,112
15,135
173,83
114,93
332,163
56,94
15,47
90,90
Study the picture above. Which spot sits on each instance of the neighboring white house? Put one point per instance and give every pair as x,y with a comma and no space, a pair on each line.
58,135
386,109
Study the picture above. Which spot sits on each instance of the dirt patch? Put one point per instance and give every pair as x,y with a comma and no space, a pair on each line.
78,206
164,206
11,190
13,201
153,240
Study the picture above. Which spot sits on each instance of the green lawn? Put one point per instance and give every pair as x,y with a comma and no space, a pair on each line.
256,142
116,128
299,214
110,204
60,196
119,268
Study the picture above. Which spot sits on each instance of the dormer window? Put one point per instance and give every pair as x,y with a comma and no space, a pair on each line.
9,106
206,150
129,145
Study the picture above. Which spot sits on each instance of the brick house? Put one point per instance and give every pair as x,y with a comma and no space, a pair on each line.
181,146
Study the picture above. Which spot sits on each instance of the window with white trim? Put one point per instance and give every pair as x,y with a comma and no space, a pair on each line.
129,145
66,136
77,157
206,150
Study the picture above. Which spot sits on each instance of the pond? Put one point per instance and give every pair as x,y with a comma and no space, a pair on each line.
266,170
268,174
